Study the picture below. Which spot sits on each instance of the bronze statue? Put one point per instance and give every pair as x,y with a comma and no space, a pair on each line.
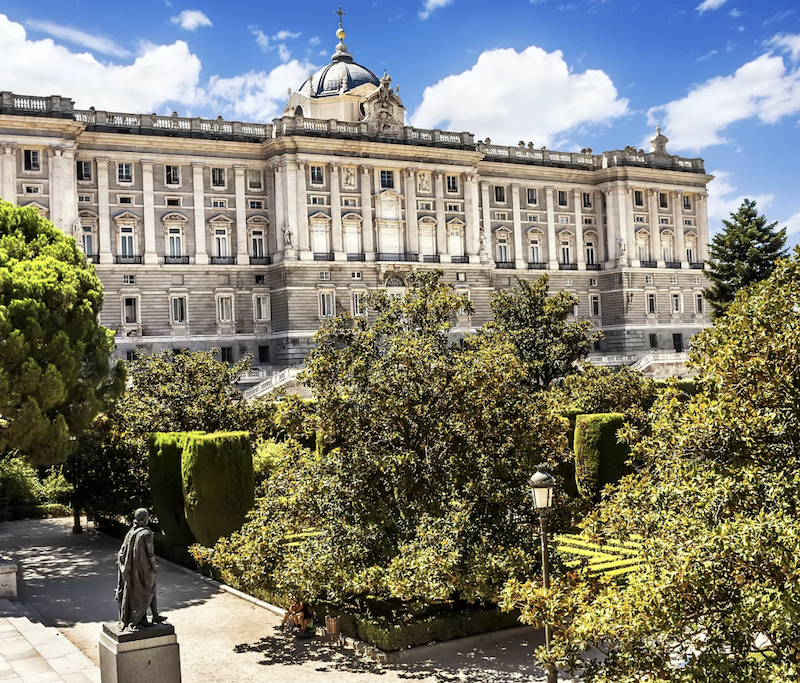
136,575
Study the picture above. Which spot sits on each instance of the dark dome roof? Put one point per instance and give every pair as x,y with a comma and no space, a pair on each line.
340,76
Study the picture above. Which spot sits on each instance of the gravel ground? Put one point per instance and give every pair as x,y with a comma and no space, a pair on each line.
69,579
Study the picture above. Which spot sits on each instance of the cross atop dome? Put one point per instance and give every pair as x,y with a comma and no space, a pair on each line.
341,54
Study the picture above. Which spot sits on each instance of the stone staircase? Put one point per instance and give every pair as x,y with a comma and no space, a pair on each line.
31,652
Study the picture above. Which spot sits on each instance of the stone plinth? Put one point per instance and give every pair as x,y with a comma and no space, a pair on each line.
150,655
8,580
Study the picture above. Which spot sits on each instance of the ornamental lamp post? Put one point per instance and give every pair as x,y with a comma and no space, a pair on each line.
542,484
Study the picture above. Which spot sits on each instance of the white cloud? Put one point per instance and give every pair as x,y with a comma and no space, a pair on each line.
792,224
262,40
710,4
735,13
313,41
724,199
431,5
257,96
191,19
790,44
284,53
97,43
502,97
763,88
284,35
707,55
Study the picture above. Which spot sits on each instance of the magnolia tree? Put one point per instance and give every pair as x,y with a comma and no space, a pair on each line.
716,593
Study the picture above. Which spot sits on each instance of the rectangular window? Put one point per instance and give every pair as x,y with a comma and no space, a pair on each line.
532,198
594,301
179,309
128,279
687,202
87,242
254,179
688,221
124,173
130,356
663,201
263,354
500,216
638,219
590,257
698,303
262,308
452,183
454,208
221,242
425,206
500,194
260,279
219,203
358,303
652,303
349,201
84,170
31,189
326,304
175,242
461,277
673,280
587,200
676,303
387,180
466,298
588,221
84,198
316,175
225,309
563,220
257,243
562,198
653,341
125,200
31,157
173,201
173,175
593,282
131,308
257,204
356,275
325,275
502,249
126,242
217,177
535,252
319,201
638,198
566,252
226,354
663,221
533,218
648,279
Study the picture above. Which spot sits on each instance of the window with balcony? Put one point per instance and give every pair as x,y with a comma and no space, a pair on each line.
175,242
566,251
257,244
535,251
220,242
87,241
126,242
591,254
502,249
172,174
31,160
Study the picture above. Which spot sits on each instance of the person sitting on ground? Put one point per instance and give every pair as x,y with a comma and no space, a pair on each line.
302,617
288,618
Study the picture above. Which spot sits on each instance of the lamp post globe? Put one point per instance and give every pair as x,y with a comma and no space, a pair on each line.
542,484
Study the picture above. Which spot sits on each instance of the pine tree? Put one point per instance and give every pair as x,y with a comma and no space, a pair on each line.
743,253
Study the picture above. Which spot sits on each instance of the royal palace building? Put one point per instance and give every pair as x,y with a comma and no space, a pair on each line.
247,236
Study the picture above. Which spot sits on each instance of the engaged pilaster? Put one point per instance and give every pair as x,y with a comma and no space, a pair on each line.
149,211
103,210
239,179
200,248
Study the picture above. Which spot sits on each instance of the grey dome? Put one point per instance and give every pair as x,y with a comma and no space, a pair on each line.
340,76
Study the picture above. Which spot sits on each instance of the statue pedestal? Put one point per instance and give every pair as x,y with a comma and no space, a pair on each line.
150,655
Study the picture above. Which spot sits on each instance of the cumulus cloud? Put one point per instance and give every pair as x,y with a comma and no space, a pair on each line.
257,96
710,4
510,96
430,6
792,224
765,88
191,19
790,44
75,36
277,42
724,199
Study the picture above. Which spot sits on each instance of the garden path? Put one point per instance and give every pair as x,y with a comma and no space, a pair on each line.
69,580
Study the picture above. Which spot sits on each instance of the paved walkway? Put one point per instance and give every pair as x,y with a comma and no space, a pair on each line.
69,580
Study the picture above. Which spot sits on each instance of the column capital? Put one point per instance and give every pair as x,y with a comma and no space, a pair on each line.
102,161
198,165
147,164
239,168
335,168
410,173
516,186
439,175
57,150
651,192
366,170
470,177
301,165
9,147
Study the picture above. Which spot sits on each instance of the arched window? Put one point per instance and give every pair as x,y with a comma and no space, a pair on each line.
668,246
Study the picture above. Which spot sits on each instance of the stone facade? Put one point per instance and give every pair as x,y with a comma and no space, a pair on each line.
209,233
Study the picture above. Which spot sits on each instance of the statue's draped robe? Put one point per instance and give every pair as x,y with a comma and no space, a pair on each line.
136,578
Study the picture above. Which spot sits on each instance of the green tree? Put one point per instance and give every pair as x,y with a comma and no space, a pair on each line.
422,493
717,512
54,355
537,325
743,253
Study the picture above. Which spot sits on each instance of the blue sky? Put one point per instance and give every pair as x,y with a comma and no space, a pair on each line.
722,77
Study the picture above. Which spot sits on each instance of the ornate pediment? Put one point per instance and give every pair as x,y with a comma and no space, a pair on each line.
455,223
255,220
352,218
126,216
175,217
220,218
384,111
319,216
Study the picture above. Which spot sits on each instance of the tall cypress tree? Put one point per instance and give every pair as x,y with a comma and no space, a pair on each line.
743,253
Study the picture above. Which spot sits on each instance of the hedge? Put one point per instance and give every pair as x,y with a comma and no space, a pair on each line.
166,485
218,486
599,458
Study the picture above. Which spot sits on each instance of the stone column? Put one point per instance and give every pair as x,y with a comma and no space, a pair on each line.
625,204
580,253
441,221
597,203
677,222
486,228
200,248
104,211
280,207
412,226
149,213
337,237
612,251
56,173
520,256
301,200
239,179
702,227
8,172
473,217
552,252
367,232
654,228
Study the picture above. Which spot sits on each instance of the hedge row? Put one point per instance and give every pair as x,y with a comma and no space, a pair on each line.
600,458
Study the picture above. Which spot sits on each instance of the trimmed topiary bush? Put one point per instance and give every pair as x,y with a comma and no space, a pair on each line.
166,485
218,487
599,457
